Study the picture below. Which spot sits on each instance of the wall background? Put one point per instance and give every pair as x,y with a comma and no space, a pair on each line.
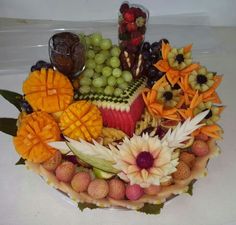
219,12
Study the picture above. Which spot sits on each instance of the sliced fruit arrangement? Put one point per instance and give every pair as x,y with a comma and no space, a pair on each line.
131,126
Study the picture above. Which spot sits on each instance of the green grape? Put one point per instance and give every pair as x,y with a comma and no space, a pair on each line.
127,76
92,89
85,81
116,72
104,80
115,51
107,62
105,44
88,72
106,53
100,58
98,68
120,80
114,61
96,49
96,75
98,82
111,81
87,40
106,71
90,54
90,63
108,90
99,90
118,92
123,86
96,39
84,89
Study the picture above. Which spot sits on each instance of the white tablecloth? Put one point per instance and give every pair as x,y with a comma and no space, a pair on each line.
25,199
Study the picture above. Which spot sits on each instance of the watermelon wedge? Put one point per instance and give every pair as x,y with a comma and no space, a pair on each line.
124,120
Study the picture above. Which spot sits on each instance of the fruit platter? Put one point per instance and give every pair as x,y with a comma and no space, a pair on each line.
125,125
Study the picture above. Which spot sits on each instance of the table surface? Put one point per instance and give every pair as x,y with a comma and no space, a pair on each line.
27,200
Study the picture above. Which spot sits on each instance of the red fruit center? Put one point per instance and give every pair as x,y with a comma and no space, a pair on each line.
144,160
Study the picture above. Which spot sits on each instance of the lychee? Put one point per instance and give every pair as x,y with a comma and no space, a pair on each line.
98,189
183,171
200,148
80,181
134,192
152,189
202,137
187,158
65,171
52,163
116,189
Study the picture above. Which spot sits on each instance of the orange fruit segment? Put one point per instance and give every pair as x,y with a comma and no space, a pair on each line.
81,120
48,90
35,131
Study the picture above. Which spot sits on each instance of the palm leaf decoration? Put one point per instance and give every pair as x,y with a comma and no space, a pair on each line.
94,154
181,132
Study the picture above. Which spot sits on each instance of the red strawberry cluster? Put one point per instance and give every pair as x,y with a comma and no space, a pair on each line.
132,27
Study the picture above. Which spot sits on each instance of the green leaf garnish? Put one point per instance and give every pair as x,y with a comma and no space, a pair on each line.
85,205
190,189
21,161
12,97
8,126
151,208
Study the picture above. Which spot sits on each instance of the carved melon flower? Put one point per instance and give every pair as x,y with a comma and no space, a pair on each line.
176,63
201,80
146,160
179,59
213,116
168,96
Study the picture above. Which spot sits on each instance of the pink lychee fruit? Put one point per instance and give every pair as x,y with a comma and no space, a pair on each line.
202,137
134,192
80,181
200,148
65,171
152,190
98,189
116,189
52,163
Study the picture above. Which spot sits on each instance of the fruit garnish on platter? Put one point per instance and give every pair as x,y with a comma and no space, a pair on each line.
128,125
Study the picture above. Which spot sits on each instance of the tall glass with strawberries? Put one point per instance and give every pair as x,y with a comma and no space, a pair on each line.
132,26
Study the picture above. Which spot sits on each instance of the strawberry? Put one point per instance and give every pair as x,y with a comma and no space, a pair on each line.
136,41
131,27
129,16
183,171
